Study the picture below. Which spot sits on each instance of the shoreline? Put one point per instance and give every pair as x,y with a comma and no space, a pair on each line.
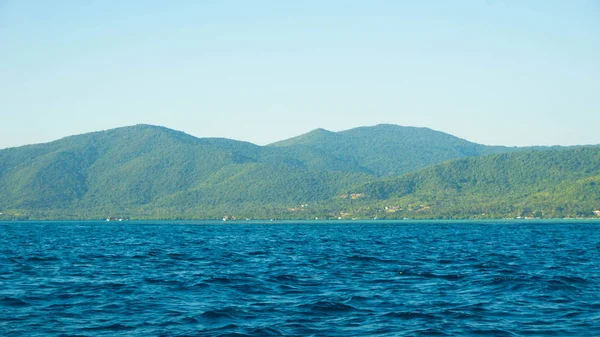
313,221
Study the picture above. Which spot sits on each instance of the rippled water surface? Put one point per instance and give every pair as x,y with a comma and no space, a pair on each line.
358,279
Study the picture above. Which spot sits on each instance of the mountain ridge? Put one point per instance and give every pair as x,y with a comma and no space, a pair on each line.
277,143
152,171
405,148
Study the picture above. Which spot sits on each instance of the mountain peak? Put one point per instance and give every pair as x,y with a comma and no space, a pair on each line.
315,136
389,128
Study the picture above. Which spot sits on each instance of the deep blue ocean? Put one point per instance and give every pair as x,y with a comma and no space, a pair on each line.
299,279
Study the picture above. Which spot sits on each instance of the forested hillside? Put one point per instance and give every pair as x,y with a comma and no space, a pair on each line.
134,169
149,171
391,149
563,183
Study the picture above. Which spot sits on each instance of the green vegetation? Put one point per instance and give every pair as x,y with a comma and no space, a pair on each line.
547,184
390,150
384,171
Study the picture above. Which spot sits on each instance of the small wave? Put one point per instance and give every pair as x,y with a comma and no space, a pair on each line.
189,320
409,315
12,302
327,306
219,280
259,252
289,289
177,256
473,309
227,327
430,332
572,279
155,252
460,315
234,334
449,277
362,258
111,306
358,298
151,280
381,281
299,329
92,256
42,259
571,314
429,275
504,279
491,332
112,327
58,306
366,258
284,278
265,331
227,313
485,266
558,284
201,285
113,285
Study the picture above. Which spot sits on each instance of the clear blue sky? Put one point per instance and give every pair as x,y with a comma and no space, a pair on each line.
506,72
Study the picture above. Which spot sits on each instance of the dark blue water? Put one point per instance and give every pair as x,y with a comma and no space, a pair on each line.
371,279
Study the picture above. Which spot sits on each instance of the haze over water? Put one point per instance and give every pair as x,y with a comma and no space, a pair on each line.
305,279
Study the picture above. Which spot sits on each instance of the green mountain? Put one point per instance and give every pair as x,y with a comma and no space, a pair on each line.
147,171
160,172
390,149
560,183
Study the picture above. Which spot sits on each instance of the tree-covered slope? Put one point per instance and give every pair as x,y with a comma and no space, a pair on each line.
144,167
534,183
122,166
154,172
257,190
390,149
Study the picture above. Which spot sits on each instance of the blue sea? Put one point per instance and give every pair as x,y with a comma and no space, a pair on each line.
300,279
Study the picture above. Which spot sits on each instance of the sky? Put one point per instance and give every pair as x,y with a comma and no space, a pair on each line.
496,72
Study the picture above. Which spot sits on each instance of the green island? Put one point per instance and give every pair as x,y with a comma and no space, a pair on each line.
378,172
